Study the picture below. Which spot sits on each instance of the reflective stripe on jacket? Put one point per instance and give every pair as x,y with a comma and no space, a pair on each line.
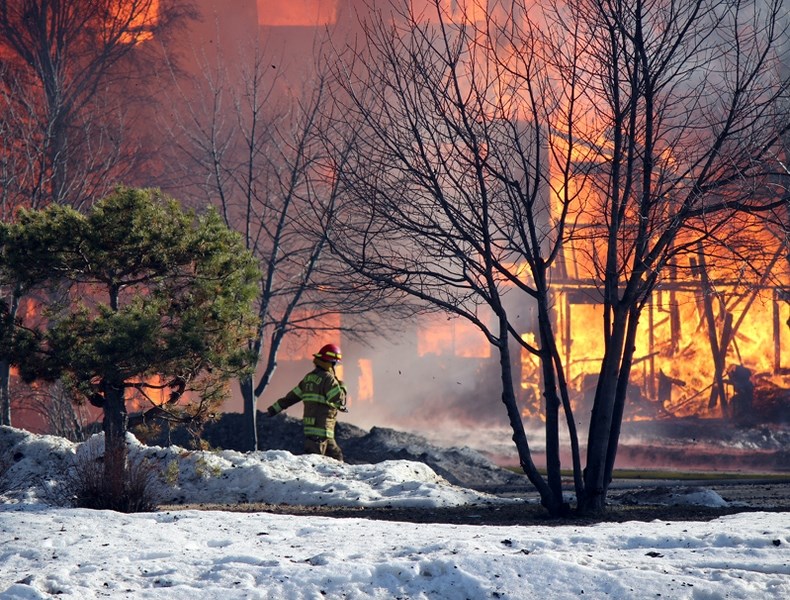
322,394
311,430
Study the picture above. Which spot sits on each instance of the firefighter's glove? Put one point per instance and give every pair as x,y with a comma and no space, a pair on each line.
271,411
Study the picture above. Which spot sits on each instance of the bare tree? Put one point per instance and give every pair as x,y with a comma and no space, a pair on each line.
684,113
257,148
63,414
64,65
626,135
448,197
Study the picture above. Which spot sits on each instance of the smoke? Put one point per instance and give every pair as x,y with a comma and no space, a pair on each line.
419,376
453,398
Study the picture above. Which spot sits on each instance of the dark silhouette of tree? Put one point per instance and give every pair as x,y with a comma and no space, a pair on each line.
685,114
257,148
624,135
72,70
447,196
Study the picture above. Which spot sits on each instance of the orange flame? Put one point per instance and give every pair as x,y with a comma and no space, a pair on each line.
673,370
138,20
531,392
454,337
365,381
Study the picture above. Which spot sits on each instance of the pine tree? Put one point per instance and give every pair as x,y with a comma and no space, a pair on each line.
144,296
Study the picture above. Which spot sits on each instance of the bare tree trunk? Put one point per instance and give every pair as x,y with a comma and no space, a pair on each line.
718,347
5,396
548,498
5,367
249,432
553,463
595,483
621,395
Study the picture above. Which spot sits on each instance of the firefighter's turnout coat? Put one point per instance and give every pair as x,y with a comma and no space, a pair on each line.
323,395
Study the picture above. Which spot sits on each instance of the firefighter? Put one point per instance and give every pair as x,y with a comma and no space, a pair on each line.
323,395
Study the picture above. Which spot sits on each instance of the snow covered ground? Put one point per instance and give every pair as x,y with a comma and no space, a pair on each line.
48,551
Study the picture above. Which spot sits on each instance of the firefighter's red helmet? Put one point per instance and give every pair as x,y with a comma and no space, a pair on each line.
330,353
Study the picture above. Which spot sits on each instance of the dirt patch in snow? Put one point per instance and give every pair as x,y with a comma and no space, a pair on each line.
527,514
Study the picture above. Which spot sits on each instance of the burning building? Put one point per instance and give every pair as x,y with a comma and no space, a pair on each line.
711,340
711,344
